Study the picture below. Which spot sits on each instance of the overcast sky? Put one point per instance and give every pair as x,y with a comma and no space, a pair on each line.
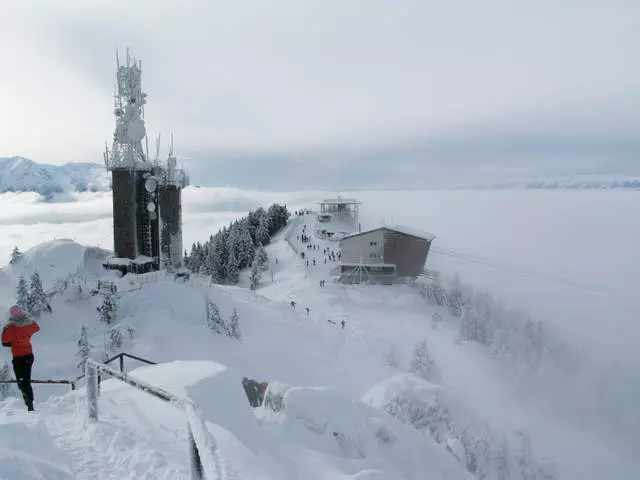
434,88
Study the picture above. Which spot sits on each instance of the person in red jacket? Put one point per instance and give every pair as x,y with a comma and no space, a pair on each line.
17,333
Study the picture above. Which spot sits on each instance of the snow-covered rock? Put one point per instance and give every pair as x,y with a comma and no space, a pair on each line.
19,174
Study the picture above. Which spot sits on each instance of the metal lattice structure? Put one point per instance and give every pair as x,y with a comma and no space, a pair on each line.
146,192
129,100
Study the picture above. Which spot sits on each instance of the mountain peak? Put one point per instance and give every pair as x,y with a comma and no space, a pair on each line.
19,174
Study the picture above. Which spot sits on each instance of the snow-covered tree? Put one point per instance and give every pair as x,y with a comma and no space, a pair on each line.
233,269
246,250
262,233
422,364
114,341
16,255
234,325
83,348
262,258
37,297
5,374
214,319
22,294
255,276
107,310
455,299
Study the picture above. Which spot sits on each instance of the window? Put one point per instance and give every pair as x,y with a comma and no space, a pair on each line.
373,244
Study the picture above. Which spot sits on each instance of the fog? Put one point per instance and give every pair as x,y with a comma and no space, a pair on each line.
578,249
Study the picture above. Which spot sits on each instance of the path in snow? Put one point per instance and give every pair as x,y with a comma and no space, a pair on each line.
124,444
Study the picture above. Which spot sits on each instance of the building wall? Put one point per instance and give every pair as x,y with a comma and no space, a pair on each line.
408,253
170,213
367,247
125,244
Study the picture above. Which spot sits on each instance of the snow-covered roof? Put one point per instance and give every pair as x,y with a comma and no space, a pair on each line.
119,261
142,259
339,201
413,232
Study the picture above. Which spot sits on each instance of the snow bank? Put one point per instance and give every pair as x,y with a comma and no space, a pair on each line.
215,389
387,390
377,445
58,259
26,449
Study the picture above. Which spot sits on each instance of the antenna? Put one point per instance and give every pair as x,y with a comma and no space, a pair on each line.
171,146
157,159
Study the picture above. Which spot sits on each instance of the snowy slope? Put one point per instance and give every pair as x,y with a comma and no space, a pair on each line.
19,174
327,369
140,437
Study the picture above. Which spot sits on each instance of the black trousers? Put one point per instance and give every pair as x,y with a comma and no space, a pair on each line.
22,369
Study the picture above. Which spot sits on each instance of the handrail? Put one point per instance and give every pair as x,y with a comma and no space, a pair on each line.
121,357
52,382
204,458
74,381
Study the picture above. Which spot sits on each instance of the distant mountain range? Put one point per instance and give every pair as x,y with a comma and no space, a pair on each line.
18,174
579,182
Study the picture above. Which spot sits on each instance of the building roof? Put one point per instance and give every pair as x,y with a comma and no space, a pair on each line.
340,201
412,232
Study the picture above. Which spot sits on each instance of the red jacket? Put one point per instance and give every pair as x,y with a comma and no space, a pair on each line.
17,334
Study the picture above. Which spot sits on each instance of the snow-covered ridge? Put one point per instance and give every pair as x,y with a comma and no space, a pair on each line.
580,182
18,174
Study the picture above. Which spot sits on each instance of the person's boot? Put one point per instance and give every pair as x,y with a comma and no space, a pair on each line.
30,407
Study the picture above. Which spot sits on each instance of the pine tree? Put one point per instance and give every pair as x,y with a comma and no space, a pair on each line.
234,325
214,318
37,298
83,348
233,269
108,308
5,388
16,254
115,340
262,259
454,299
262,233
22,294
255,275
246,250
421,364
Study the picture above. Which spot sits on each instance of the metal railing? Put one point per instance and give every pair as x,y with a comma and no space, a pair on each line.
74,381
204,458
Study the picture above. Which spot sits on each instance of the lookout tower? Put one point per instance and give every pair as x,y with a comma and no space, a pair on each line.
141,199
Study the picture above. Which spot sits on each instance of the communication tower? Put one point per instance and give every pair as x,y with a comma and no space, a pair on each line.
147,221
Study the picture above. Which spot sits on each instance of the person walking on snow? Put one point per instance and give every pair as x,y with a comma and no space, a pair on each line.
17,333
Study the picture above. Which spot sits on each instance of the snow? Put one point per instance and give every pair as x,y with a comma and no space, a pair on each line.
414,232
317,362
19,174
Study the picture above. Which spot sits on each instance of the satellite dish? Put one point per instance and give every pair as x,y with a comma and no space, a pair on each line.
150,185
136,130
153,215
151,207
